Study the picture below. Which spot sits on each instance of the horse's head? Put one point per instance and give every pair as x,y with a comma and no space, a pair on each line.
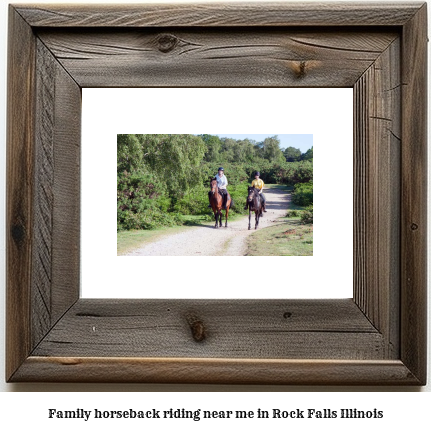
213,185
251,194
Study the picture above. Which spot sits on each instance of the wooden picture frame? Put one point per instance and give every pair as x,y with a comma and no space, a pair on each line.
378,337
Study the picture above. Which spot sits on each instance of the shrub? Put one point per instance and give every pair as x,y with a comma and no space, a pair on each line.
293,213
303,194
239,196
194,202
307,215
142,202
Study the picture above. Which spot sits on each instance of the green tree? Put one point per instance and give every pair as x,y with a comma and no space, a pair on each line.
129,154
271,149
213,147
292,154
175,159
228,150
308,155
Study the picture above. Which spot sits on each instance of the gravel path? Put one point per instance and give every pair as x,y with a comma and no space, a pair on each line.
208,241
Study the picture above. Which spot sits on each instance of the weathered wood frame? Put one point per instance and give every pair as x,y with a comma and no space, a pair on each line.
379,337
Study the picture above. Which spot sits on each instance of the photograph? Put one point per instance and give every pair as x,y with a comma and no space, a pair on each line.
214,195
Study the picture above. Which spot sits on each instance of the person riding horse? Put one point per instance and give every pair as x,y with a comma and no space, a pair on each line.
258,184
222,186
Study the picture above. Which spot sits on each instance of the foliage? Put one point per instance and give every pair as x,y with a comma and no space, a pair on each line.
292,154
129,154
175,159
307,215
162,178
293,213
271,150
294,172
303,194
308,155
194,202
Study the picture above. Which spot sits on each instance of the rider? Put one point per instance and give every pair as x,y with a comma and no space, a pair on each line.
222,185
257,183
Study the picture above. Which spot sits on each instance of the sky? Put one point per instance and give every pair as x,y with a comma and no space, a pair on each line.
303,142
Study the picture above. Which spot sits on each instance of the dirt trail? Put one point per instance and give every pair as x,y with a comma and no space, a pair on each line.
208,241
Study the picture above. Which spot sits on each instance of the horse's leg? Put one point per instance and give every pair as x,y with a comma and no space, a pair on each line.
249,218
216,219
220,214
257,220
227,213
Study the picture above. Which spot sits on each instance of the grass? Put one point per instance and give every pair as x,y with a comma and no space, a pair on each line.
289,238
128,240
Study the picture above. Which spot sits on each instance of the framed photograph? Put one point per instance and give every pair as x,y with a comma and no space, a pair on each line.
377,337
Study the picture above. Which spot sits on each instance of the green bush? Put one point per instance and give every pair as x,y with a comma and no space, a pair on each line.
293,213
303,194
307,215
194,202
142,202
150,219
294,172
239,197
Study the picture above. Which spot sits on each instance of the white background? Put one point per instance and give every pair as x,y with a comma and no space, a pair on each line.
404,410
325,113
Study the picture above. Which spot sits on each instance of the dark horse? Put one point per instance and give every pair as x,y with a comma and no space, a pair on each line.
254,204
216,202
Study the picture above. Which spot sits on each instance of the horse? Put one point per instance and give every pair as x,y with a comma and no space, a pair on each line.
254,204
216,202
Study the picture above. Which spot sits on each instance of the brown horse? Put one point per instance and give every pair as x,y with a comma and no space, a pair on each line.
216,202
254,203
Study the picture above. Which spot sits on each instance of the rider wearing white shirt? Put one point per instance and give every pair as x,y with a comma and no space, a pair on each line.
222,185
221,179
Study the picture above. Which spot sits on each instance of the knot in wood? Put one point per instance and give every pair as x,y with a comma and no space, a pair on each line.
414,226
167,42
300,69
18,233
197,328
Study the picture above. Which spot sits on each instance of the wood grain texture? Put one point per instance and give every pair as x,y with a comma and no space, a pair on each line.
238,329
67,200
55,278
216,371
414,195
43,194
377,149
216,58
215,14
19,201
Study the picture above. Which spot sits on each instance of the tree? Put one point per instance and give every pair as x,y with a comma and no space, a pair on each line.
213,147
228,150
271,149
175,159
129,154
292,154
249,150
308,155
